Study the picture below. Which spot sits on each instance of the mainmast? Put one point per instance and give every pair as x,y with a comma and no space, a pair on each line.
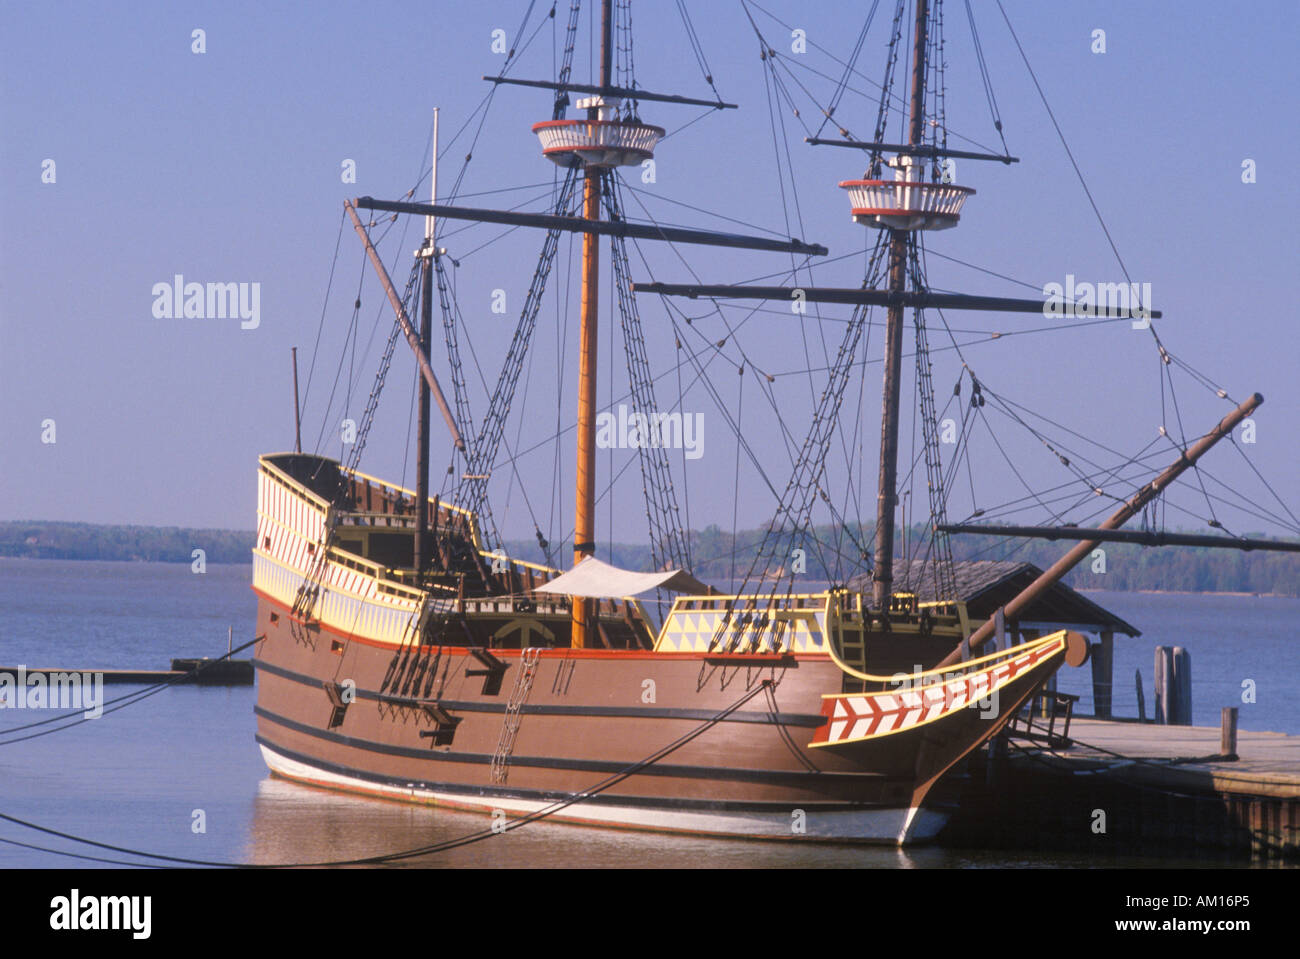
611,134
584,514
914,201
899,241
426,253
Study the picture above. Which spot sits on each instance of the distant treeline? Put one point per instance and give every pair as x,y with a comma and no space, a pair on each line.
1127,566
166,544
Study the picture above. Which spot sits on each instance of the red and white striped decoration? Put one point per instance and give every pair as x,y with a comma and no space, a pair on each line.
860,716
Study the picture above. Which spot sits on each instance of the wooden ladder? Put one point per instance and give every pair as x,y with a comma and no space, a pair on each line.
510,726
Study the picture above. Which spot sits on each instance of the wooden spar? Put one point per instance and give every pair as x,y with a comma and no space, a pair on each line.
882,578
584,513
913,298
577,224
626,93
412,337
1121,516
916,150
297,409
1142,537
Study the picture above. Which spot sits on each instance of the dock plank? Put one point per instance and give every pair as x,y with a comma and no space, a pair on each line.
1267,764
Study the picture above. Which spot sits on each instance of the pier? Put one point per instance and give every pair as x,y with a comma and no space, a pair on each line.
203,672
1129,787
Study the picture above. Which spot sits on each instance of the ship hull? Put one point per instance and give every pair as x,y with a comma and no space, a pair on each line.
376,681
591,716
877,825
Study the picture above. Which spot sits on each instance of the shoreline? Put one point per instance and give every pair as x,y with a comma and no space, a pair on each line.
123,559
248,562
1189,592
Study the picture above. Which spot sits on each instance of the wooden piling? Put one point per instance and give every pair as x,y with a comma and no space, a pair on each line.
1103,659
1181,687
1228,733
1164,682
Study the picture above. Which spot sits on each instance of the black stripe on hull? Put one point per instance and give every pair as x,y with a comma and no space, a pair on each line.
792,777
804,720
538,795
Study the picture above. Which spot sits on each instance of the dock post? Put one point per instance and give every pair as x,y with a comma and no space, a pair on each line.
1228,735
1164,684
1173,686
1180,712
1142,703
1103,674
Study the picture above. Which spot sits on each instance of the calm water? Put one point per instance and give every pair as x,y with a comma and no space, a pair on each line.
136,777
1229,639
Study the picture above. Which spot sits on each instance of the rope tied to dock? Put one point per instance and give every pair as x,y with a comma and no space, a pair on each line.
494,830
78,716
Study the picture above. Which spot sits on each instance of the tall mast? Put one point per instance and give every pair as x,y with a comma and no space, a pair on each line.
887,498
597,142
584,517
427,252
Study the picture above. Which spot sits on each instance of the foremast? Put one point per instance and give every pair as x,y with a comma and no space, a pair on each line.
899,243
912,202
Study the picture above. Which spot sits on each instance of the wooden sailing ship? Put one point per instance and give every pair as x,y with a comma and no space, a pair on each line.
406,656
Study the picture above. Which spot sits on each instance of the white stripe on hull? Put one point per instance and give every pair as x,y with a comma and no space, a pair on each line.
898,825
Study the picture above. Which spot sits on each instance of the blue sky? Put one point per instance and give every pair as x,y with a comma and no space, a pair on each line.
224,166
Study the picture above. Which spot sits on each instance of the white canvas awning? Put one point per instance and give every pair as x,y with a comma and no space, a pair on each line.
598,580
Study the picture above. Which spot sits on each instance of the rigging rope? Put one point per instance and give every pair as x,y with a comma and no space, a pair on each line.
984,78
944,575
482,457
668,543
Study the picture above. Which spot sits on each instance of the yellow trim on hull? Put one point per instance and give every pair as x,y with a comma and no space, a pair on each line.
1058,637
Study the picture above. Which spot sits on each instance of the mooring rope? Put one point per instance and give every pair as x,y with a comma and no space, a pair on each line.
495,830
127,700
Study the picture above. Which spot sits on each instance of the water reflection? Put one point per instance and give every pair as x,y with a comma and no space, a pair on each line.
302,824
293,823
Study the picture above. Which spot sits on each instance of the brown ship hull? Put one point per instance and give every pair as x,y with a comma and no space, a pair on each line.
377,681
590,715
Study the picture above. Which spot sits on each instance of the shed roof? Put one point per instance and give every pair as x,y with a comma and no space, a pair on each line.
985,585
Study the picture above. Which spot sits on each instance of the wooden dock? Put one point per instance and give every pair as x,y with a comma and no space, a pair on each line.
1268,764
233,672
1133,787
